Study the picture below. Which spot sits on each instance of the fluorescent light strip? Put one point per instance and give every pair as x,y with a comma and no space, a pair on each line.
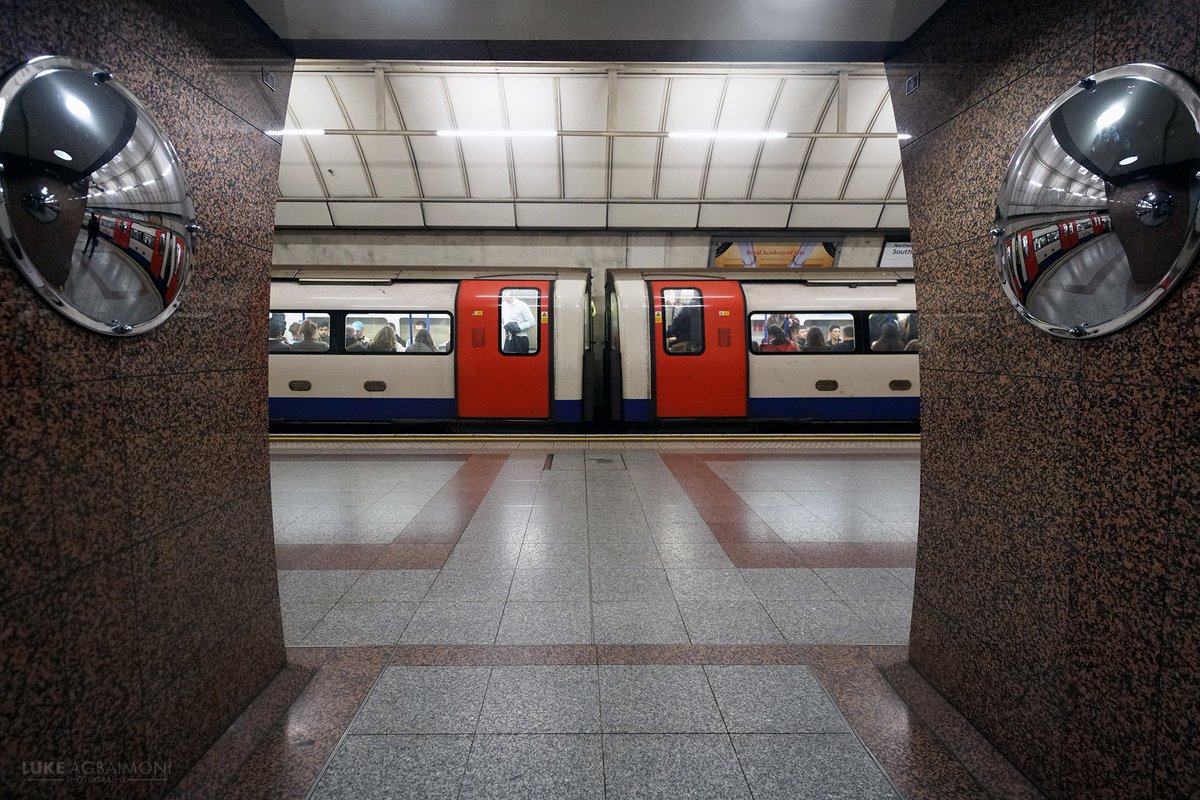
497,134
726,134
298,132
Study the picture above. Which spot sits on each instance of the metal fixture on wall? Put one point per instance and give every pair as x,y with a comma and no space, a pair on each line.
94,207
1096,219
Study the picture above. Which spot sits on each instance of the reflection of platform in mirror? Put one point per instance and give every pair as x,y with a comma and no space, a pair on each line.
1090,284
110,286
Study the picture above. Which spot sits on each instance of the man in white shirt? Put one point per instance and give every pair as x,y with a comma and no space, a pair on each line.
515,319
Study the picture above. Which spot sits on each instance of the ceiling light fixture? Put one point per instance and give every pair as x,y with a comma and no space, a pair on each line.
1125,162
726,134
903,136
497,134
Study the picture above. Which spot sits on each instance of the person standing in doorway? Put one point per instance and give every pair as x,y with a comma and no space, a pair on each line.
515,319
93,237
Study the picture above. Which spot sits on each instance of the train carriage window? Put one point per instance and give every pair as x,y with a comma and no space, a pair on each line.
683,321
518,321
298,332
407,332
807,332
894,332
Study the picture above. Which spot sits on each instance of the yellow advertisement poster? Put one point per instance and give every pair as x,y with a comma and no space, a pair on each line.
774,255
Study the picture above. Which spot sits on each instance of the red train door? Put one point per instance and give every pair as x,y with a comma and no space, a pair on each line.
503,373
698,337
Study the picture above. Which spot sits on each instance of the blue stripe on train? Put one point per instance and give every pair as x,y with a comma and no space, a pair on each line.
836,408
360,409
635,410
568,411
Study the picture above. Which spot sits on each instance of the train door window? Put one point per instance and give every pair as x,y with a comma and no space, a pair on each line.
518,323
409,332
302,332
809,332
894,332
683,321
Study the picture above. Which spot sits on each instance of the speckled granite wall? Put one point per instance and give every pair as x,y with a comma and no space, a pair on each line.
1058,575
138,598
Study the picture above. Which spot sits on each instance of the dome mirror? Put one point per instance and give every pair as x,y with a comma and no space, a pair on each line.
94,207
1097,216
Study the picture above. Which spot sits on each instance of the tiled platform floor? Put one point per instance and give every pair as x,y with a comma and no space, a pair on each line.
563,623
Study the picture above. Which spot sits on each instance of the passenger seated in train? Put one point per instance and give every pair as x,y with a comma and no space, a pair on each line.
889,340
815,340
778,342
355,340
276,329
422,343
294,332
384,341
308,339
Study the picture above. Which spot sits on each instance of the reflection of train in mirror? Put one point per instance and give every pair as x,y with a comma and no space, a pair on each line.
1041,246
159,251
695,349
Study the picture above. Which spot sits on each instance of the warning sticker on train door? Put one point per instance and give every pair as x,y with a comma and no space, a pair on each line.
477,313
658,318
722,313
545,317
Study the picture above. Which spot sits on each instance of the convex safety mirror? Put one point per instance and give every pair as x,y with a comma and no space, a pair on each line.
94,207
1096,219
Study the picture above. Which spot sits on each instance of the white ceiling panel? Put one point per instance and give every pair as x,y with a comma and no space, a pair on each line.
297,175
832,217
826,168
663,216
341,166
873,171
585,166
561,215
377,215
469,215
899,193
487,167
439,166
633,167
894,216
302,214
390,167
731,215
602,154
359,95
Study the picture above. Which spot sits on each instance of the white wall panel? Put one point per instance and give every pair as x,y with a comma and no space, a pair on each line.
389,164
834,216
561,215
728,215
585,170
827,167
300,213
311,102
874,169
653,215
894,216
296,175
341,167
392,215
470,215
358,96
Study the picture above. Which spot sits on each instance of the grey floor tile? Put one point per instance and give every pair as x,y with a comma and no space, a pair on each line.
817,622
308,533
791,585
865,585
549,585
630,584
542,700
424,700
729,623
564,532
907,576
774,699
709,585
553,555
395,767
693,553
638,623
300,618
391,585
697,766
471,585
890,619
811,767
315,585
546,623
474,555
360,624
537,767
442,622
657,699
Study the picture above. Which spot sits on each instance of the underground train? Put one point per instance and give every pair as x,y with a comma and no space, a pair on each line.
675,348
155,249
1037,248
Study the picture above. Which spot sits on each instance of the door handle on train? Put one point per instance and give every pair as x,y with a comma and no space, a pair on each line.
827,386
900,386
375,386
300,386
